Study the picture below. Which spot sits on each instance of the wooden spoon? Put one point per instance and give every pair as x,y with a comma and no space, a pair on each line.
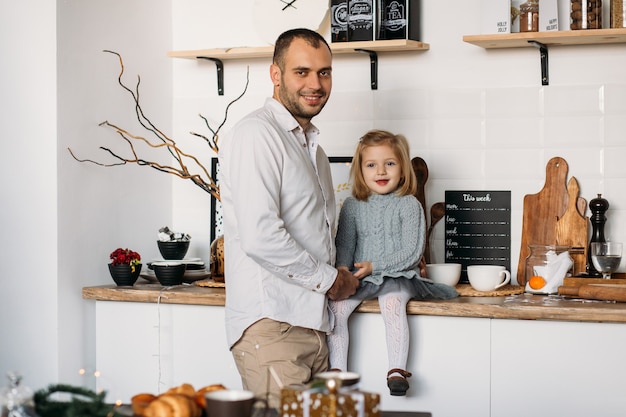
421,173
437,211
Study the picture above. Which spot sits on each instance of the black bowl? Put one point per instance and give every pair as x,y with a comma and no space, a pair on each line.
122,274
169,273
172,249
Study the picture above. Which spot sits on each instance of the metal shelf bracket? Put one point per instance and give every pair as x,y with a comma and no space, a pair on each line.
220,73
543,55
373,67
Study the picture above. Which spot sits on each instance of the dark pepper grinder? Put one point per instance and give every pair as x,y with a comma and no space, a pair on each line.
598,207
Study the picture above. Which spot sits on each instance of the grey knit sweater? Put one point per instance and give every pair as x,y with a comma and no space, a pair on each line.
386,230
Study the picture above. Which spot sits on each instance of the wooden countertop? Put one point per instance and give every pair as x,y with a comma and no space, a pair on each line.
522,306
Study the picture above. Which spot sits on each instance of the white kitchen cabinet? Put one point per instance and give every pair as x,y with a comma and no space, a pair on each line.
145,347
462,366
449,359
554,368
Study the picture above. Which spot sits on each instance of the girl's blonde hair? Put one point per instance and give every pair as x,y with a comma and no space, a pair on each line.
400,147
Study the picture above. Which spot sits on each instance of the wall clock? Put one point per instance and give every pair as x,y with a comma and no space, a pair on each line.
273,17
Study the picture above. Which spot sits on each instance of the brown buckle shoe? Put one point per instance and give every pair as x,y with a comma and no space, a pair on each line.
398,385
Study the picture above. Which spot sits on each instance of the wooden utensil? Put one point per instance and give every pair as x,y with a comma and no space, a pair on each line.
541,211
609,292
437,211
572,228
421,173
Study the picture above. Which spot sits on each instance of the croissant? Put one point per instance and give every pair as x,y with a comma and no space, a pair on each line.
139,402
172,405
199,397
180,401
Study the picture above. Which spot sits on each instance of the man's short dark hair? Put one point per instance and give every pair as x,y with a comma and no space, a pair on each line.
284,40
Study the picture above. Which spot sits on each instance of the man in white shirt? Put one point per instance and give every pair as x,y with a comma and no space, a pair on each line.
279,225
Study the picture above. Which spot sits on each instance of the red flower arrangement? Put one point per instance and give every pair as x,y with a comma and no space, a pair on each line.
125,257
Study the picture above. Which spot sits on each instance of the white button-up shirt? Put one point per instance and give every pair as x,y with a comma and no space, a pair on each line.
279,222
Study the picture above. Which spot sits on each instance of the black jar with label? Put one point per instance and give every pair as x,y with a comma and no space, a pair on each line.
398,19
361,20
339,21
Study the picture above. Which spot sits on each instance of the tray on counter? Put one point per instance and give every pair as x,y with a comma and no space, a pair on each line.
466,290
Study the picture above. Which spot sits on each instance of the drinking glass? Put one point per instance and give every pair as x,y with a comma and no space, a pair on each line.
606,257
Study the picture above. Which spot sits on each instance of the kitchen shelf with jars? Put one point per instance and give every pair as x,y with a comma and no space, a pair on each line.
542,40
372,48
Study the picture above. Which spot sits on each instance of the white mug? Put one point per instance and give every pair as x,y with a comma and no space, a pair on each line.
488,277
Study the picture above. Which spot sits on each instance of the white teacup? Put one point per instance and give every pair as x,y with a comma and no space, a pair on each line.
488,277
447,273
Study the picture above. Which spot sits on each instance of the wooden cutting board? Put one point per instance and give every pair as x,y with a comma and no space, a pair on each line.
572,227
541,211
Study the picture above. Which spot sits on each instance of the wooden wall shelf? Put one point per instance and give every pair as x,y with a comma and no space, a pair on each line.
542,40
254,52
570,37
372,48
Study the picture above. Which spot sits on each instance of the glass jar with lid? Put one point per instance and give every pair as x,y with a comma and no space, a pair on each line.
529,16
618,14
542,261
16,400
585,14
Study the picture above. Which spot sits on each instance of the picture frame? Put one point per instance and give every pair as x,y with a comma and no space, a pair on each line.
340,171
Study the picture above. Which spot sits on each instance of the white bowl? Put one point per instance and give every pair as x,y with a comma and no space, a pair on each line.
447,273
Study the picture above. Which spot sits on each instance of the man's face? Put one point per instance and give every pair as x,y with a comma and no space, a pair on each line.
304,85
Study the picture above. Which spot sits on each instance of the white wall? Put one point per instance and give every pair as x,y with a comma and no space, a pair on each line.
60,218
479,118
28,270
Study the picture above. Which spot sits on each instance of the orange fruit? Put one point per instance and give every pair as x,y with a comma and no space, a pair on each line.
536,282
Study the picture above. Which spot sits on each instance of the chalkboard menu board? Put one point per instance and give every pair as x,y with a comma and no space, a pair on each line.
478,228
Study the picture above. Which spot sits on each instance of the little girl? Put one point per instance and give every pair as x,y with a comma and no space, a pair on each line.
380,238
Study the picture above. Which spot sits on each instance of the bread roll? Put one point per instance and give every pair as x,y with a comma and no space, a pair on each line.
180,403
185,389
199,397
159,408
139,402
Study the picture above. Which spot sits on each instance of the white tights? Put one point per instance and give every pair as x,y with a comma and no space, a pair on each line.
393,310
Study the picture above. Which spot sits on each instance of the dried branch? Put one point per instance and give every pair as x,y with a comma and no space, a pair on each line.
204,180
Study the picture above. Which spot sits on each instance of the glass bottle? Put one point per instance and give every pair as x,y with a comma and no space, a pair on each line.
529,16
585,14
540,257
618,14
16,400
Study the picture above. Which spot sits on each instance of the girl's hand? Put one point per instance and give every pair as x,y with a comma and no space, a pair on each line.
363,269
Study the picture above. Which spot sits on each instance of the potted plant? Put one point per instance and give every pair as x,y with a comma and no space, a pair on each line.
125,266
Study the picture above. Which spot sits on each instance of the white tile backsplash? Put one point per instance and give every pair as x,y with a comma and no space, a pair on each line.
480,118
615,99
583,100
573,131
457,102
513,101
514,132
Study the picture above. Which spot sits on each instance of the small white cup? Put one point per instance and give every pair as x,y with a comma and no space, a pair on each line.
488,277
447,273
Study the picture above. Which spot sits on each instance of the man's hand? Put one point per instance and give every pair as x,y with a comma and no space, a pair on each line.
344,286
